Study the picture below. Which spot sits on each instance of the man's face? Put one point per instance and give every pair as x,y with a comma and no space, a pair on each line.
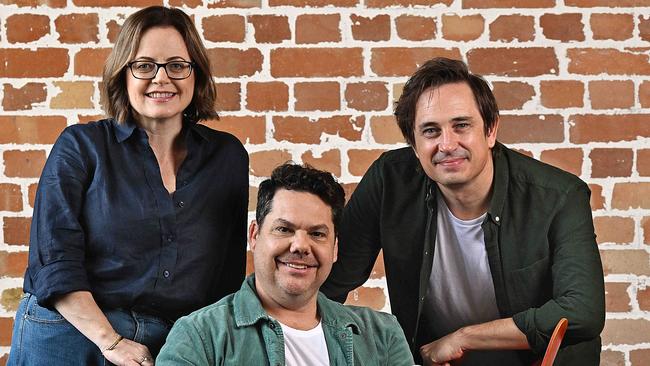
294,248
450,140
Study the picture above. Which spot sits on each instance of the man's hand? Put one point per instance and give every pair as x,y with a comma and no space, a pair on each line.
442,351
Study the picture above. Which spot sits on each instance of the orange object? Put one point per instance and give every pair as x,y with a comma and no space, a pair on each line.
554,344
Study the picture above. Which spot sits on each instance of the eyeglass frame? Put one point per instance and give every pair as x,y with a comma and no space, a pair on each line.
158,66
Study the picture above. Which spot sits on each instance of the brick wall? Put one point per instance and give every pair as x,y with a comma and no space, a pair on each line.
314,81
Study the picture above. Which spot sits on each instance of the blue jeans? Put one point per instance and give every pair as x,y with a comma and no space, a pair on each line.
43,337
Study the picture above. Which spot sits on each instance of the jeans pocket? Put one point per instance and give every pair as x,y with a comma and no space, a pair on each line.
37,313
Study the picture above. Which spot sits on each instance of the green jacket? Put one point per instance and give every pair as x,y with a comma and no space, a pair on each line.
237,331
539,238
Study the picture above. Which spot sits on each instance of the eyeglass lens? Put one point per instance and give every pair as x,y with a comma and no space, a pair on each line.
148,69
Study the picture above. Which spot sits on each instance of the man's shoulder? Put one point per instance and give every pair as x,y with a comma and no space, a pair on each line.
210,318
397,158
362,317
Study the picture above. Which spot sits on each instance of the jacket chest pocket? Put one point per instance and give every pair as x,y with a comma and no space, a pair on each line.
530,286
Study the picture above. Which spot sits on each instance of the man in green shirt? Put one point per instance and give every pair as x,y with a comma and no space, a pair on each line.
485,249
278,317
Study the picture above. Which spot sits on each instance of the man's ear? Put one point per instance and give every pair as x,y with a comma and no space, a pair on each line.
336,250
253,231
492,134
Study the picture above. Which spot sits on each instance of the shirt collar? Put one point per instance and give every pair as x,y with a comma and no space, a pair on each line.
124,130
248,309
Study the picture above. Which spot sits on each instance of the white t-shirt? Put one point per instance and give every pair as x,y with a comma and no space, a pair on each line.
461,291
305,347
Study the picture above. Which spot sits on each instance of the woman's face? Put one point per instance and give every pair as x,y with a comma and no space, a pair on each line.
161,98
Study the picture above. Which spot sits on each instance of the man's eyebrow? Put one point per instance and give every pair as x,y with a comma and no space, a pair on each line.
427,124
462,119
284,222
319,227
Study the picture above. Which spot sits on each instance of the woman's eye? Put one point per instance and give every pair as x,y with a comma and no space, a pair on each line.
176,66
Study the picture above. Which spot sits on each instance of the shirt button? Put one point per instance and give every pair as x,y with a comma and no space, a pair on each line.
272,325
496,218
166,273
170,238
426,253
181,204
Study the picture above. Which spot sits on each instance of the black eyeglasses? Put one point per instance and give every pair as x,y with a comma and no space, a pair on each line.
147,70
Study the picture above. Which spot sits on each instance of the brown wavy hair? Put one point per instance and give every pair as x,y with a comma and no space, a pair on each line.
114,91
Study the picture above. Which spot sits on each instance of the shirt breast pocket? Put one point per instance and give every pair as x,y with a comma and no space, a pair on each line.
531,286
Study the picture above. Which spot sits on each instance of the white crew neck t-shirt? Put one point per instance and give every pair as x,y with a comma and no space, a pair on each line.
461,291
305,347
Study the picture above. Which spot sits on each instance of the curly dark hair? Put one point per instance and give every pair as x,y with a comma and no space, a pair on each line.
301,178
435,73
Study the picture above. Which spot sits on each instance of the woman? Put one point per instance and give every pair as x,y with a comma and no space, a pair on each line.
139,219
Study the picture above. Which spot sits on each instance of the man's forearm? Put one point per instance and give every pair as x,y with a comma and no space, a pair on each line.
494,335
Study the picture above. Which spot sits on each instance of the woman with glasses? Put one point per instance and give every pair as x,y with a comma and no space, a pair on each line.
139,218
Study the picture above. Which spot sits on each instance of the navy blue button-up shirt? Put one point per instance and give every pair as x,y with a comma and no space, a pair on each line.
103,221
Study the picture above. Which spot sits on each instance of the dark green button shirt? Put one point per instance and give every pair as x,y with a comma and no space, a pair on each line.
539,238
237,331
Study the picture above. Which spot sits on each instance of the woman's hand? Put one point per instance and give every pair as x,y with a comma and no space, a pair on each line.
129,353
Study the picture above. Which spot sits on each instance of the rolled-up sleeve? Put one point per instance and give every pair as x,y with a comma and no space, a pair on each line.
56,259
577,276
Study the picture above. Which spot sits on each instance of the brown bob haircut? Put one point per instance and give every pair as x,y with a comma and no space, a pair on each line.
433,74
114,92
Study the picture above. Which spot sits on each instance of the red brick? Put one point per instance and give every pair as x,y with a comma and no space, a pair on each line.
262,163
11,198
644,94
616,297
605,128
607,3
643,297
4,358
562,93
403,61
612,358
114,3
252,198
187,3
597,200
563,27
488,4
631,195
370,96
73,95
32,193
90,61
24,63
372,297
235,4
300,62
593,61
349,188
316,28
568,159
35,3
77,28
513,94
228,97
5,337
113,30
10,298
415,28
532,61
370,29
405,3
644,28
270,28
267,96
531,128
303,130
606,94
384,130
315,3
643,162
13,264
250,262
24,164
329,161
23,28
618,27
640,357
630,261
248,129
626,331
232,62
31,130
360,160
16,230
509,28
462,28
22,98
614,229
317,96
611,162
224,28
